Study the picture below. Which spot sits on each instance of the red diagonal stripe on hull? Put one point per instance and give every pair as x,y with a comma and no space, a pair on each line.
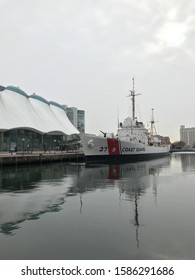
113,146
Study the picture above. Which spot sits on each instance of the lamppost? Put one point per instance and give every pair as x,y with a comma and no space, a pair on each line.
23,146
54,145
28,146
59,146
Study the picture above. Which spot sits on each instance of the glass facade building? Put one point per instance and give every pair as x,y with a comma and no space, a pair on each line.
77,118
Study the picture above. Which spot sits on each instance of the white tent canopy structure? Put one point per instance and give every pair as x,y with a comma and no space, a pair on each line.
19,110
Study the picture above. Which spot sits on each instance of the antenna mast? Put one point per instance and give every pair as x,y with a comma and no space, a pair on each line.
153,128
132,94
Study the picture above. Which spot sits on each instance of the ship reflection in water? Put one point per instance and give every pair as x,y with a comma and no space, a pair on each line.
74,211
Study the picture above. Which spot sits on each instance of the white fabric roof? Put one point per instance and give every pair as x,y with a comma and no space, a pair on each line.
18,110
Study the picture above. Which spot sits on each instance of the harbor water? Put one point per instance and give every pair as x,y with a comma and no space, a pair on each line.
56,211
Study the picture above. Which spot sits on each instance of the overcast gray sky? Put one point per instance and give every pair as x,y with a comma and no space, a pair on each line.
84,53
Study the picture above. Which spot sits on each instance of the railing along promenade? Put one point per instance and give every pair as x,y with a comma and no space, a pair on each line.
24,157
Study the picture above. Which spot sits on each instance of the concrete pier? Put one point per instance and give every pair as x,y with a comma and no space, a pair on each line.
39,157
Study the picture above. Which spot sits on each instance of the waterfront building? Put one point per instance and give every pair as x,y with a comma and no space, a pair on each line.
30,122
187,135
164,139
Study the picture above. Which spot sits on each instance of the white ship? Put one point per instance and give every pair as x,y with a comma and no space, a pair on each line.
131,143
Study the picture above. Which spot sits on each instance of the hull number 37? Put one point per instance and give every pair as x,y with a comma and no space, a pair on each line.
103,149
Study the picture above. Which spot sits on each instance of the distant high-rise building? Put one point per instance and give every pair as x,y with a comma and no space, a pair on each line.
72,115
77,118
81,120
187,135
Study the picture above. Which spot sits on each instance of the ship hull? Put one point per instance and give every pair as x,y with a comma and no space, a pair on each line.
123,158
105,149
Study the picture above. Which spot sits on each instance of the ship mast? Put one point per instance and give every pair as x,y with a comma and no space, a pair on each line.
153,128
133,94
